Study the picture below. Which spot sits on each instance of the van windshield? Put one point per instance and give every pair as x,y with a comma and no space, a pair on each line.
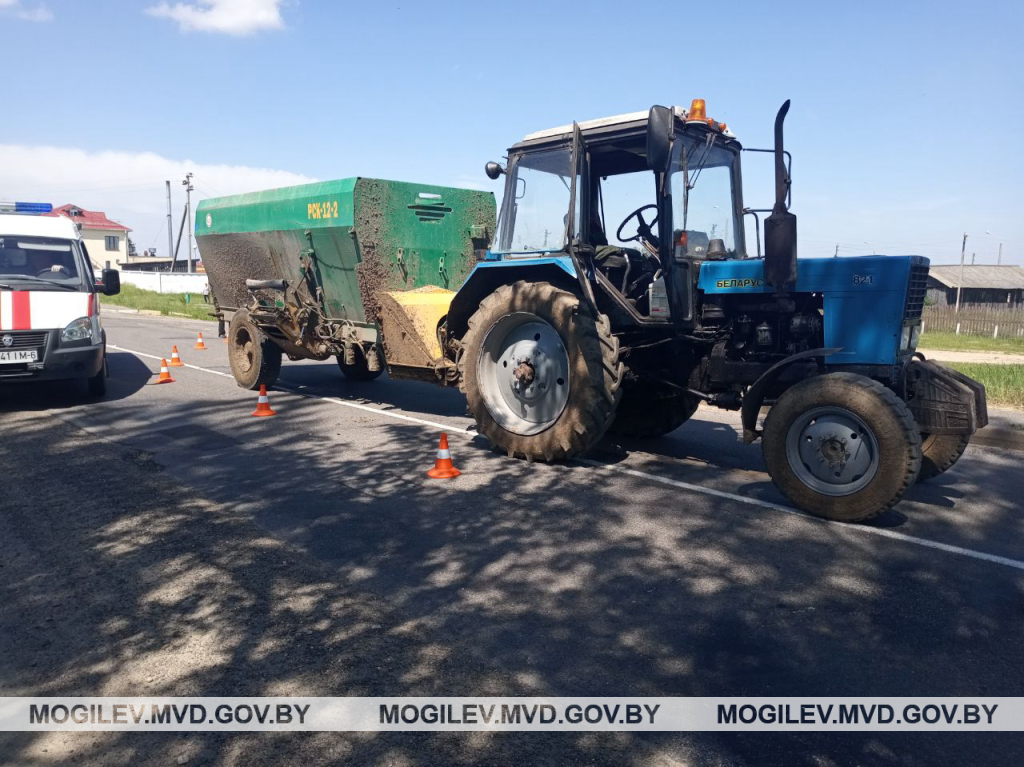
36,259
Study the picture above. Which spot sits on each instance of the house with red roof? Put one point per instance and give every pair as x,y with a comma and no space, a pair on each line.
106,240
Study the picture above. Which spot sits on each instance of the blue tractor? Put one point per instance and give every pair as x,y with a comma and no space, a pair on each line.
620,292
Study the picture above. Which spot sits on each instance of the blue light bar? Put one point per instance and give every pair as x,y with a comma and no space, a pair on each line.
25,207
33,207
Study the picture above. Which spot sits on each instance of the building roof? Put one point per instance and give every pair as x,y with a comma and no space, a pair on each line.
89,219
37,226
980,276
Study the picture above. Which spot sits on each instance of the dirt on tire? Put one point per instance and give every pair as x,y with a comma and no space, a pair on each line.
595,373
940,452
255,360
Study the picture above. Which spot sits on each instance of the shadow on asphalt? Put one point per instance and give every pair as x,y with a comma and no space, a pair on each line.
128,374
376,582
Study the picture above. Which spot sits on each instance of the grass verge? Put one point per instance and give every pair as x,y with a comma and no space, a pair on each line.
965,343
165,303
1004,384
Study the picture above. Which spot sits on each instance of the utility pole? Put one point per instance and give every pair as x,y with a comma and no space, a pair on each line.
170,226
999,258
960,283
187,183
972,258
836,254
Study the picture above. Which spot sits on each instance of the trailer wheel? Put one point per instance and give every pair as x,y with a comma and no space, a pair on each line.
940,452
360,371
841,446
541,374
651,410
254,358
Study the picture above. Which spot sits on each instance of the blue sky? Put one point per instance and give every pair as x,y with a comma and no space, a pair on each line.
905,123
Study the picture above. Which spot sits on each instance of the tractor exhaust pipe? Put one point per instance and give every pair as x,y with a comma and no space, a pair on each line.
780,226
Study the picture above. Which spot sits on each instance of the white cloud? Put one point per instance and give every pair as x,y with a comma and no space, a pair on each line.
127,186
232,17
18,10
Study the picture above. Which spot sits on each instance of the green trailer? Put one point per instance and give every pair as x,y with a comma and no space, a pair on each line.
359,269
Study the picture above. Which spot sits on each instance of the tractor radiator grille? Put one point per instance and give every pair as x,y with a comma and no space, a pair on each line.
916,289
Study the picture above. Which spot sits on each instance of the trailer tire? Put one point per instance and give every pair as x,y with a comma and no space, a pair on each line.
651,410
255,359
360,371
940,452
573,389
847,422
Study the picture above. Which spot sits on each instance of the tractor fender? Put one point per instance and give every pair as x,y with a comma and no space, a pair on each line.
754,397
488,276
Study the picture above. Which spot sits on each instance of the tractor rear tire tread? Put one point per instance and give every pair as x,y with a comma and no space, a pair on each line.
596,367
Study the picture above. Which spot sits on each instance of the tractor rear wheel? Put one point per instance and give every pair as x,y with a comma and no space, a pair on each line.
540,372
651,410
254,358
841,446
940,452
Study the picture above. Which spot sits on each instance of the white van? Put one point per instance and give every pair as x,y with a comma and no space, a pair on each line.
49,304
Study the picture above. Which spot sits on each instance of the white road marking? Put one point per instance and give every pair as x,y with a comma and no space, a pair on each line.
845,527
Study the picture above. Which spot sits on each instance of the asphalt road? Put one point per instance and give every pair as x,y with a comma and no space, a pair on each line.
192,549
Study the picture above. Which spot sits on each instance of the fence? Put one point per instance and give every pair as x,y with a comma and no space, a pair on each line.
166,282
996,322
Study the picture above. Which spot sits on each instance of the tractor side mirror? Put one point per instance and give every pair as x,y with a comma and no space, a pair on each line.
493,170
110,284
660,131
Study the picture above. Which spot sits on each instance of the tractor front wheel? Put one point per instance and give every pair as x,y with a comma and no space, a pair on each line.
841,446
541,374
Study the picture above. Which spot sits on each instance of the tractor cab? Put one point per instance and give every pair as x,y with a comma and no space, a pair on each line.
592,190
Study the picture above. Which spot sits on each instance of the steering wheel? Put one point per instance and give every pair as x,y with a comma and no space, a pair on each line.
643,229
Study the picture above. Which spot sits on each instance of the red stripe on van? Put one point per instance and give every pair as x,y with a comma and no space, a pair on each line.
21,311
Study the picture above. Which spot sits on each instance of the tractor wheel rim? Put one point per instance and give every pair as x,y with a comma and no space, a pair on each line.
523,373
832,451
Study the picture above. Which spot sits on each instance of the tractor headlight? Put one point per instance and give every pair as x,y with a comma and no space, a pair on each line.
905,338
78,330
915,336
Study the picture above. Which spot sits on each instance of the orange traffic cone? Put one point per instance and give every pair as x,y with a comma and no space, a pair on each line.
443,468
263,403
175,359
199,343
165,374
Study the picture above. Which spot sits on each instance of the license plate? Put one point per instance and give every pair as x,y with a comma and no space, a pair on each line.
19,356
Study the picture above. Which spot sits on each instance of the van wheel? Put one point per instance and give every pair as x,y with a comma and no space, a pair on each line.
97,384
255,359
841,446
940,452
